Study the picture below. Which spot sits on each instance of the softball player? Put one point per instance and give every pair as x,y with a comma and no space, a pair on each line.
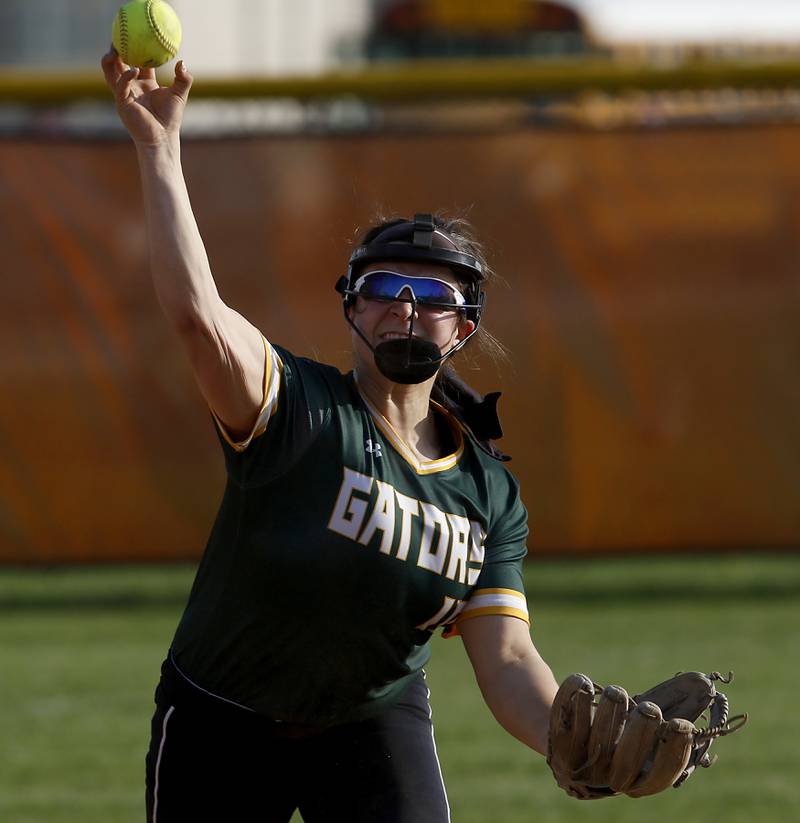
359,516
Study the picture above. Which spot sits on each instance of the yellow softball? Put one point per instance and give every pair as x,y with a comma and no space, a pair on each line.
146,33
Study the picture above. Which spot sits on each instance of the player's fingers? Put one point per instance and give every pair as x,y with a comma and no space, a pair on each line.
183,80
124,87
113,67
147,74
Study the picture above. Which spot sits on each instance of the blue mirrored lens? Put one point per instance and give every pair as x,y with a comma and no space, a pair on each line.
386,285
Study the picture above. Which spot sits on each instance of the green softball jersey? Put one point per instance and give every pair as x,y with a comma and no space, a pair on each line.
336,553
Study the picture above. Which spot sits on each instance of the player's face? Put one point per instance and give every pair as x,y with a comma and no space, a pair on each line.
382,320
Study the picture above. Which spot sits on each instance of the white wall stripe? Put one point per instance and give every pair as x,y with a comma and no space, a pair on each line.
158,761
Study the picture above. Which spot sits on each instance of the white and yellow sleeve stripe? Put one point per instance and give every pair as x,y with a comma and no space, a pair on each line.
273,368
495,601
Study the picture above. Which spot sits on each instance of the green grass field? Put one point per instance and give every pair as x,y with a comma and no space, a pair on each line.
80,651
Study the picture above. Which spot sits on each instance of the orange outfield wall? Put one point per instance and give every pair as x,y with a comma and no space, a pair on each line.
652,310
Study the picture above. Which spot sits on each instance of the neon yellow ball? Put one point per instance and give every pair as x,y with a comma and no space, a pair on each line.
146,33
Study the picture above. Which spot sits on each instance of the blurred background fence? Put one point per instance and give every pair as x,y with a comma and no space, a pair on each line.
638,197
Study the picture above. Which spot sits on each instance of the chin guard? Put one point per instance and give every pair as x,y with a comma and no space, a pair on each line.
407,361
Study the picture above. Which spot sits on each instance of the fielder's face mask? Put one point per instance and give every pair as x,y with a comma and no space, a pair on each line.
411,359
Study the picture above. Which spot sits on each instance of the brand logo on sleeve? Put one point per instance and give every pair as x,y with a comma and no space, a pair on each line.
373,448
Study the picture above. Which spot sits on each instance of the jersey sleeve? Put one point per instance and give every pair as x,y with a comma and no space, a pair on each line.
296,406
500,589
273,369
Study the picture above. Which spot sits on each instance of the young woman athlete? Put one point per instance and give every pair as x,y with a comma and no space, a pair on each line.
359,516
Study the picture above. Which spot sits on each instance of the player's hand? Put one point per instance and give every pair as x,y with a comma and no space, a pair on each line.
151,113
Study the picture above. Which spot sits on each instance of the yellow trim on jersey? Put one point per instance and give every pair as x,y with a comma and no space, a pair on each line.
501,601
451,629
508,611
406,452
273,368
512,592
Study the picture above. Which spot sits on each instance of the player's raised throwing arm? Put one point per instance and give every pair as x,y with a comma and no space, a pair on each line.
226,351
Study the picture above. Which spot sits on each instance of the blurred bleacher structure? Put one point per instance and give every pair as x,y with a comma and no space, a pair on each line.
268,65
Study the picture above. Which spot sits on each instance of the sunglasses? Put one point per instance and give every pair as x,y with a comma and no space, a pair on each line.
390,285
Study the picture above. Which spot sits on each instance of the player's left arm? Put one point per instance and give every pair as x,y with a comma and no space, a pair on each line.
517,684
